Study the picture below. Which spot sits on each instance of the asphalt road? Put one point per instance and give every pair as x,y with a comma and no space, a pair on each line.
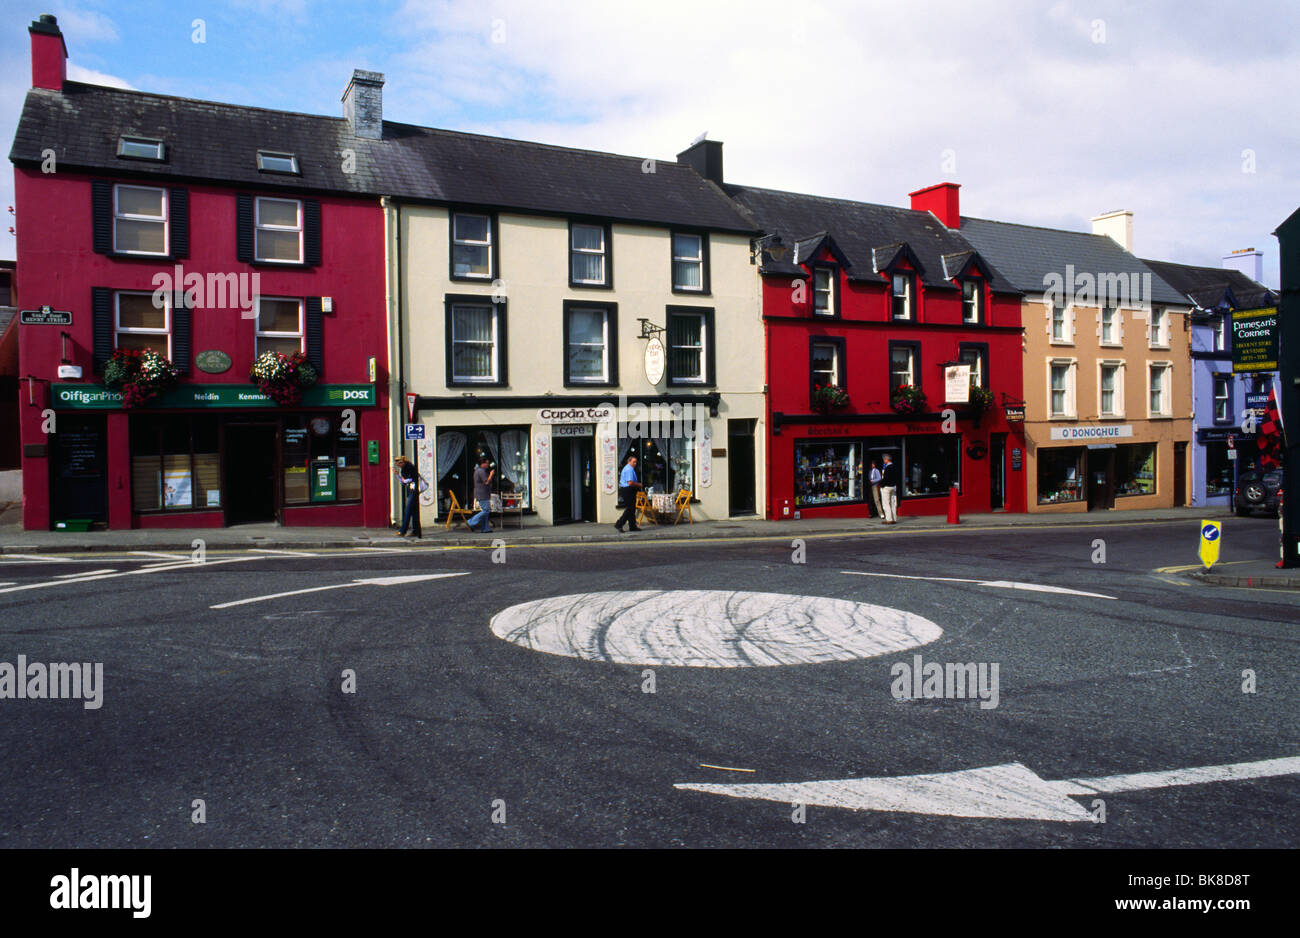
451,727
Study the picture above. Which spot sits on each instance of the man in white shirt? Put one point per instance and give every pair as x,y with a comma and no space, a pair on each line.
889,483
874,477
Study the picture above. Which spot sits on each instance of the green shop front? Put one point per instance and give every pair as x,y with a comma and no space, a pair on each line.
214,455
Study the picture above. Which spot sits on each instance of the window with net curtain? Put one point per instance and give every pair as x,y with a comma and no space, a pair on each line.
686,337
688,262
587,248
588,345
473,342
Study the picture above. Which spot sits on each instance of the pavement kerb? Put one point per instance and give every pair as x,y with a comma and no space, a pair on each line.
1247,582
769,530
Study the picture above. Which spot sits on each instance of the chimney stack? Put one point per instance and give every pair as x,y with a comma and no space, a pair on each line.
705,157
363,104
1247,260
1118,225
49,54
942,200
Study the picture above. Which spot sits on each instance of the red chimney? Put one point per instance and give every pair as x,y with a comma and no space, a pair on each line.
940,199
49,54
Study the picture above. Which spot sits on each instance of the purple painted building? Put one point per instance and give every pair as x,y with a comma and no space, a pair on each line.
1220,448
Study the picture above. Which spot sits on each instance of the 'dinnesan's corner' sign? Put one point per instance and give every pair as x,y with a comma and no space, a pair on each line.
1254,339
97,397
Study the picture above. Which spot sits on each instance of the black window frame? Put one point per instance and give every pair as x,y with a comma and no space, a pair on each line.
841,356
611,344
494,234
834,271
451,300
983,349
279,155
136,138
706,283
710,344
609,254
918,380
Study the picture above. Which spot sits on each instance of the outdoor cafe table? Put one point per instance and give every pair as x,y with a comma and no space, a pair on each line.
664,505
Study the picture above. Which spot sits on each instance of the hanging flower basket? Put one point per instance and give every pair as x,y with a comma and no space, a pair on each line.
283,377
907,399
829,397
141,375
981,399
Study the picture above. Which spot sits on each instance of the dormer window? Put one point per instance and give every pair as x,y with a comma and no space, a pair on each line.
902,296
272,162
972,301
140,148
823,291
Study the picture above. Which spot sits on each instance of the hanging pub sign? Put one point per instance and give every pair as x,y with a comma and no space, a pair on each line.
1015,413
45,316
655,360
1254,340
956,384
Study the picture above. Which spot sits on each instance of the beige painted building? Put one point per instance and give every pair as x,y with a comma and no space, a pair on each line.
521,336
1107,370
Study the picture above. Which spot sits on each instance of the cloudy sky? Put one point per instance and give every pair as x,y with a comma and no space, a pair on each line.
1046,112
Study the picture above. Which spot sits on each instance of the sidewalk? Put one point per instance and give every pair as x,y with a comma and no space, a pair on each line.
14,540
1251,574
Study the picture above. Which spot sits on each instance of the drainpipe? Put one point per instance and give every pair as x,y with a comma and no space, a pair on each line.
397,363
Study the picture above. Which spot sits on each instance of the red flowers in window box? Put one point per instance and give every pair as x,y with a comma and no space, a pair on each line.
907,399
283,377
141,374
827,397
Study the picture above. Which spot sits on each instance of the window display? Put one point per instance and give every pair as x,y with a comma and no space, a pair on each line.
664,464
175,463
509,452
311,439
1060,475
1218,470
931,464
1135,469
827,473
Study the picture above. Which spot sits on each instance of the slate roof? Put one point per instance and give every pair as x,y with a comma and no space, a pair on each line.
1208,286
1027,255
860,229
218,143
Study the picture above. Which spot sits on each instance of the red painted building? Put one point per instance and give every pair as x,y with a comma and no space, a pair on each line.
867,299
208,233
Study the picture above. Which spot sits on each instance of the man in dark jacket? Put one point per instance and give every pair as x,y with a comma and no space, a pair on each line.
889,482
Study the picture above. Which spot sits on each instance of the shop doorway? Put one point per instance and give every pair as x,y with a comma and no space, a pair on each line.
575,479
79,469
1101,479
1180,474
249,460
740,467
997,471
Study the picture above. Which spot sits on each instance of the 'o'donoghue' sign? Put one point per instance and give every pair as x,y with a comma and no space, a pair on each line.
1092,433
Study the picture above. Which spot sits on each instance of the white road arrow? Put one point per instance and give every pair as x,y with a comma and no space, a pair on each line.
999,584
372,581
998,791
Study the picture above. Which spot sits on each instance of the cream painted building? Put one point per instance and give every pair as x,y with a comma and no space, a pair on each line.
1107,371
524,309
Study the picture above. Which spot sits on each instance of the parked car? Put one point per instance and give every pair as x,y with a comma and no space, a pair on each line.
1258,491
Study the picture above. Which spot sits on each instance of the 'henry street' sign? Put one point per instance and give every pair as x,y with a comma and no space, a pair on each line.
1254,339
45,317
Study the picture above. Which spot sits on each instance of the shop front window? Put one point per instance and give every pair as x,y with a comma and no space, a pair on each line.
459,449
1135,469
311,439
175,463
1060,475
1218,470
827,473
665,463
931,464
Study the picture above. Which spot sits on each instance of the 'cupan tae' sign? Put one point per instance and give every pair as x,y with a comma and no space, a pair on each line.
1254,339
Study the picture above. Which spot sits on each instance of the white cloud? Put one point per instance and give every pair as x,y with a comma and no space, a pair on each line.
91,77
84,26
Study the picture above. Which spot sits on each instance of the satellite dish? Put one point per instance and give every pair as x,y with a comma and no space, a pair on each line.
700,139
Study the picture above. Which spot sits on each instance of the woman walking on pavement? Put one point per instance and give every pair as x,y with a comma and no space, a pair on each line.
410,479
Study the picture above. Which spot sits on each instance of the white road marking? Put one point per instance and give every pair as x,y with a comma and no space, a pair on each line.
710,628
155,553
9,583
725,768
373,581
90,577
1009,791
291,553
65,576
999,584
44,558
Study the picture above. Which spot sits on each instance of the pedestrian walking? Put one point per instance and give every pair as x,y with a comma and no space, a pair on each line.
483,476
874,477
890,479
628,485
411,481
